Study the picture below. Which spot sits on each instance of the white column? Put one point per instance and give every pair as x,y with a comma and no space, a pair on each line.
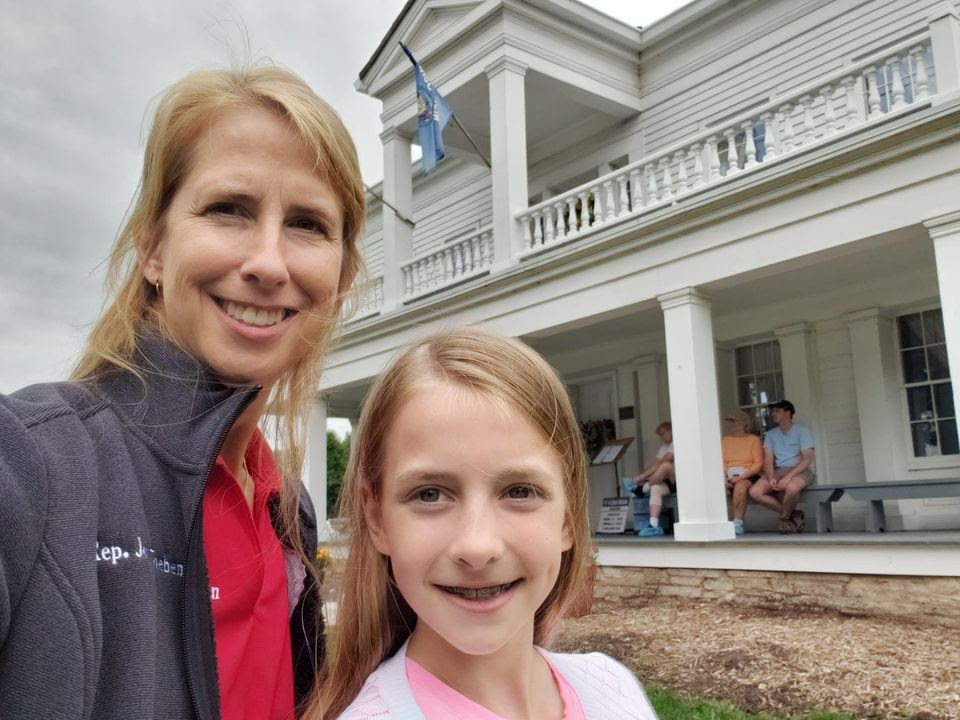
653,406
726,379
874,355
628,427
692,375
508,150
798,353
397,235
315,477
945,41
945,231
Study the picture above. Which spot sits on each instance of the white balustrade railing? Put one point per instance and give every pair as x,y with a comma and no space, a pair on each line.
901,78
455,262
369,299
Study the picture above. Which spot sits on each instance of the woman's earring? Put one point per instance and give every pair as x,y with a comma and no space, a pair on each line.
157,286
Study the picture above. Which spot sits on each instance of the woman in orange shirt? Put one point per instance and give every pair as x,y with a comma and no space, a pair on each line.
742,462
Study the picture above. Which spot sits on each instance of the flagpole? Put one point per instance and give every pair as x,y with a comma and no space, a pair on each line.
467,135
399,214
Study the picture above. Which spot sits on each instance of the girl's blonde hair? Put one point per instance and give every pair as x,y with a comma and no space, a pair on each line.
186,110
373,619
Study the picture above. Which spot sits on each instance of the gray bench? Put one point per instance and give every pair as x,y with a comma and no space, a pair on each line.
875,493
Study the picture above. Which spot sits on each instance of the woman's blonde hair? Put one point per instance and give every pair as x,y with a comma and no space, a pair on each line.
184,112
373,619
741,417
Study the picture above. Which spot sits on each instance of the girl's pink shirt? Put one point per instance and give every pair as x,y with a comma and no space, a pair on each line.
439,701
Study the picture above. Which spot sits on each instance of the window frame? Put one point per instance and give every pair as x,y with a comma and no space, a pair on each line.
912,462
760,428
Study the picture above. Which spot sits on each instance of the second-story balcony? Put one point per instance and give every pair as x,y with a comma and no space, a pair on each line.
832,110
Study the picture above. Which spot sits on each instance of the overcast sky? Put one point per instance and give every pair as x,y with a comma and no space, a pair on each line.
76,79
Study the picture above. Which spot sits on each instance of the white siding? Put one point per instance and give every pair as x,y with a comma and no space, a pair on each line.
842,455
448,205
371,243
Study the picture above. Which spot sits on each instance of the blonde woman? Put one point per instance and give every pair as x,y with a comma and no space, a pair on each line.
742,462
466,503
154,556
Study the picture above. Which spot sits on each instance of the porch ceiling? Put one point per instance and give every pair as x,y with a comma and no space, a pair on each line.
558,116
896,254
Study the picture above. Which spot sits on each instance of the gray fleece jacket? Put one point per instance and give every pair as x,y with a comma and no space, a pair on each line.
104,597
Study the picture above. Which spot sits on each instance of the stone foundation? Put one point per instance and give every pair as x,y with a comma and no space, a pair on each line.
929,600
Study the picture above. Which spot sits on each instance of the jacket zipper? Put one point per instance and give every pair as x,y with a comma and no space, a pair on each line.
190,536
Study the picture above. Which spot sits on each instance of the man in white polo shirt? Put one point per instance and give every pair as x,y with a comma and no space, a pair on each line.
787,467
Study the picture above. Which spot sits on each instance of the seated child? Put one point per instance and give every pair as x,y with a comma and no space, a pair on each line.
466,504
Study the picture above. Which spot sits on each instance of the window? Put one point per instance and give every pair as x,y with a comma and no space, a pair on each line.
926,381
759,379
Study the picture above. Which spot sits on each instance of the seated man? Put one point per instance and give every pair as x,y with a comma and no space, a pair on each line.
787,463
658,480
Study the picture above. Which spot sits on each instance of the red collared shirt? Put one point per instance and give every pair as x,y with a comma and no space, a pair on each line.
248,591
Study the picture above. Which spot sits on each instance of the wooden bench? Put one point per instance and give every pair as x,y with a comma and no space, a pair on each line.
875,493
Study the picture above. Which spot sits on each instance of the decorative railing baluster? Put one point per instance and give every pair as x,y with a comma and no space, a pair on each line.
561,230
624,196
896,84
733,159
574,228
636,189
652,192
809,128
696,154
666,190
770,139
537,229
873,93
609,202
921,82
713,158
682,185
829,114
547,226
749,146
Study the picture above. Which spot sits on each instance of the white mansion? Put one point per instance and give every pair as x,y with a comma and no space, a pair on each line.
748,200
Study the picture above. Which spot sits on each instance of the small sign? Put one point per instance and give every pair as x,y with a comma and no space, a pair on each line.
613,516
612,451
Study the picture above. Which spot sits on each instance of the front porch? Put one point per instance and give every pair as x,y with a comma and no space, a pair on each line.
932,553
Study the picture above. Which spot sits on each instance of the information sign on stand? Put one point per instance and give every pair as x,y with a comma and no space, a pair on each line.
613,516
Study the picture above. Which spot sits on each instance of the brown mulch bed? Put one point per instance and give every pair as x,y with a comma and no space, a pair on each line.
788,662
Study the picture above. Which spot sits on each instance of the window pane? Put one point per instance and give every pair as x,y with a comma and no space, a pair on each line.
744,360
933,327
943,398
766,390
948,437
937,361
746,392
914,366
763,357
778,389
924,439
911,332
776,355
920,403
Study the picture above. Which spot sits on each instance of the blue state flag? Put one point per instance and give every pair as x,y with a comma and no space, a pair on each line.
433,116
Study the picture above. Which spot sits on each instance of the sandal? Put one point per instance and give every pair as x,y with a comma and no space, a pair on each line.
799,520
786,527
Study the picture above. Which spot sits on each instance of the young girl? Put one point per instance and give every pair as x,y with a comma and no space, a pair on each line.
466,499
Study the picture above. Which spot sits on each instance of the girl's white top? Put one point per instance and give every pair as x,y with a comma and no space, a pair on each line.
607,690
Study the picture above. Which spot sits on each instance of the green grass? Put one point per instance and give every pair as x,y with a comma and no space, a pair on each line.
672,707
